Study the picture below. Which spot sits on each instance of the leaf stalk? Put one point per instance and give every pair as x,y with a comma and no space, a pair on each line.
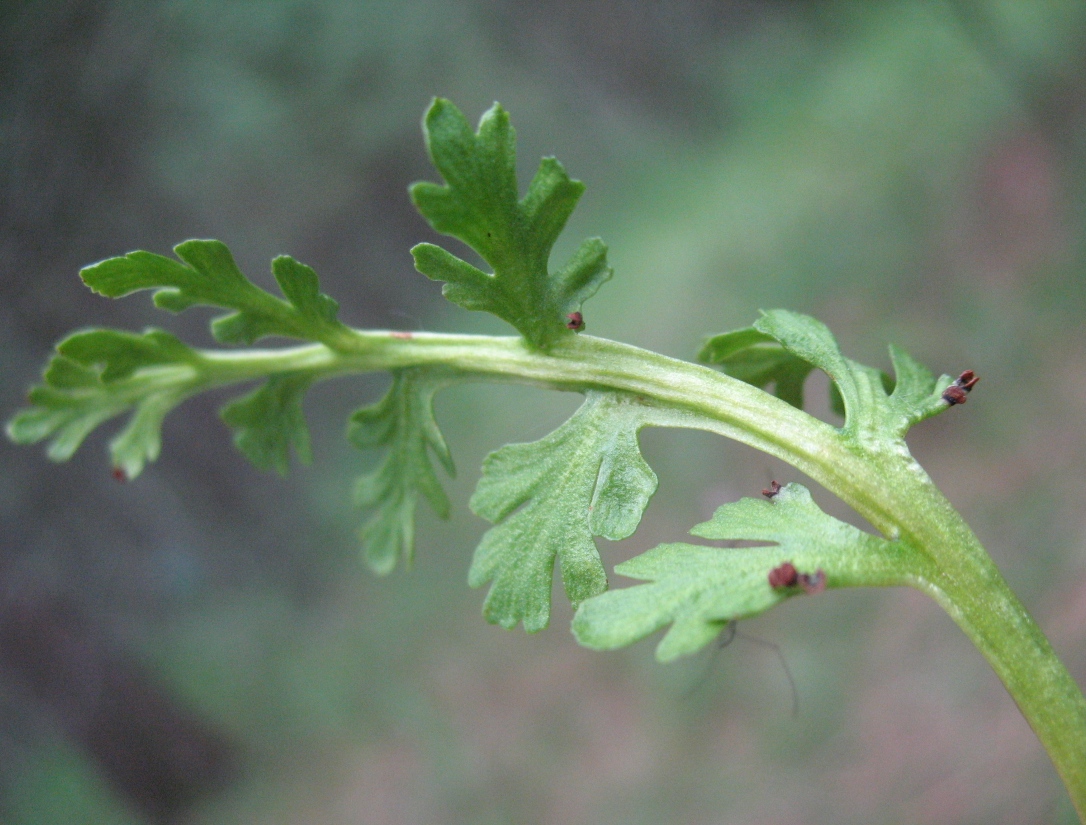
888,487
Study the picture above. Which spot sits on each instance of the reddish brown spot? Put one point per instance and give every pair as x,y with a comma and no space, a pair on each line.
403,336
119,474
772,490
784,576
575,321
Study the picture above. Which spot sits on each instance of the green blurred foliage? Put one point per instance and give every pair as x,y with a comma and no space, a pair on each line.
63,786
911,172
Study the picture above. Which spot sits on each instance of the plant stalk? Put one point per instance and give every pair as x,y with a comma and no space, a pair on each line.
887,487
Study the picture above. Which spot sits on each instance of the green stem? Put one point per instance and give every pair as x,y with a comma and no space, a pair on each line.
888,487
974,593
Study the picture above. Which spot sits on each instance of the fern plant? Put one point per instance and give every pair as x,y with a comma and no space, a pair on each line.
548,499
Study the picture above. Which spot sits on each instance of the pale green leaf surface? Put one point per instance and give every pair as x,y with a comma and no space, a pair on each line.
269,421
403,422
141,438
587,478
118,354
98,374
698,589
917,394
62,419
479,205
759,359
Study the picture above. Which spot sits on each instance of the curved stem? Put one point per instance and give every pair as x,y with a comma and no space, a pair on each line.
726,405
887,487
974,593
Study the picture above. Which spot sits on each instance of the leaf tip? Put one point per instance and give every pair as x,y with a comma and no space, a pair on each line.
442,111
496,115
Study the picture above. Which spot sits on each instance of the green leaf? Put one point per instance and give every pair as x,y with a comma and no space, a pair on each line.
479,205
759,359
403,421
782,348
587,478
699,589
98,374
141,439
269,421
116,354
64,418
917,394
209,276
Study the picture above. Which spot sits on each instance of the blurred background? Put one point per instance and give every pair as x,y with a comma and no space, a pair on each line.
204,646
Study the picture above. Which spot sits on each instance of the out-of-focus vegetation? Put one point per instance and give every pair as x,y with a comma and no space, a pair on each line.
204,646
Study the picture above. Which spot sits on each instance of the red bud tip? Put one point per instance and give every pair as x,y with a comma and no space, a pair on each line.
957,393
967,380
774,488
119,475
575,321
